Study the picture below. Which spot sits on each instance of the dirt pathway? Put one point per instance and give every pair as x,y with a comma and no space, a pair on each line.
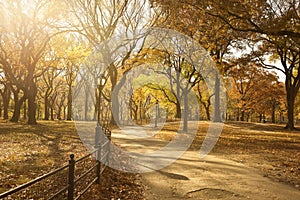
190,177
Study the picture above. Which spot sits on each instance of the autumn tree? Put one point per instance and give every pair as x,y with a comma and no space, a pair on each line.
5,93
275,27
74,56
205,98
191,18
25,36
102,22
255,90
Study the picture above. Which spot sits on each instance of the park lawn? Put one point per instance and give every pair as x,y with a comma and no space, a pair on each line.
267,147
31,151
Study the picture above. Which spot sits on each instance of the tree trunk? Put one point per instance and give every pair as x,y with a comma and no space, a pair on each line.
86,103
290,98
0,108
217,112
64,112
290,102
115,100
5,109
16,113
177,96
52,113
6,99
17,106
59,112
96,104
25,110
207,112
135,114
178,108
260,117
31,104
273,114
69,111
46,108
186,111
243,116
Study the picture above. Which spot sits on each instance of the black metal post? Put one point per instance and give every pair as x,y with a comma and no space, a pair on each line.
71,177
98,169
108,146
141,105
156,113
99,104
98,153
97,135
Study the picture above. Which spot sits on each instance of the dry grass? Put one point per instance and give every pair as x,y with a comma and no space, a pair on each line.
31,151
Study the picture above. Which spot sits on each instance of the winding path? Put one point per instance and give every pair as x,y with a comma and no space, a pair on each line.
190,177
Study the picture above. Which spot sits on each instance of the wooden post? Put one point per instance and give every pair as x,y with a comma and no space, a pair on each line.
71,177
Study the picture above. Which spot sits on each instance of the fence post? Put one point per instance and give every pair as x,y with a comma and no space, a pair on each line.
108,146
98,154
97,135
71,177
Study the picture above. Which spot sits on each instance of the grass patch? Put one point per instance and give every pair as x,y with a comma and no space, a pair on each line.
31,151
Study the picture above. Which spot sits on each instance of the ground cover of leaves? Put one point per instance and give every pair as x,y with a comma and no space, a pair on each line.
31,151
271,149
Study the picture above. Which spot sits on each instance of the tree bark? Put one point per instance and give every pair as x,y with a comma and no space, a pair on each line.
52,113
290,108
6,99
217,112
17,106
273,113
207,112
186,111
243,116
69,110
115,100
86,101
24,110
178,108
46,108
32,92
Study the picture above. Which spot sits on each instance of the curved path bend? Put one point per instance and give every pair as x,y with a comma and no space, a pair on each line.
190,177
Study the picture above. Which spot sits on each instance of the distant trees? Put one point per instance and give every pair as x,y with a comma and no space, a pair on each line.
105,23
43,47
190,18
271,26
274,29
254,91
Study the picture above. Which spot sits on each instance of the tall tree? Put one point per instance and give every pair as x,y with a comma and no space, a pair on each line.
275,24
25,35
190,17
102,21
